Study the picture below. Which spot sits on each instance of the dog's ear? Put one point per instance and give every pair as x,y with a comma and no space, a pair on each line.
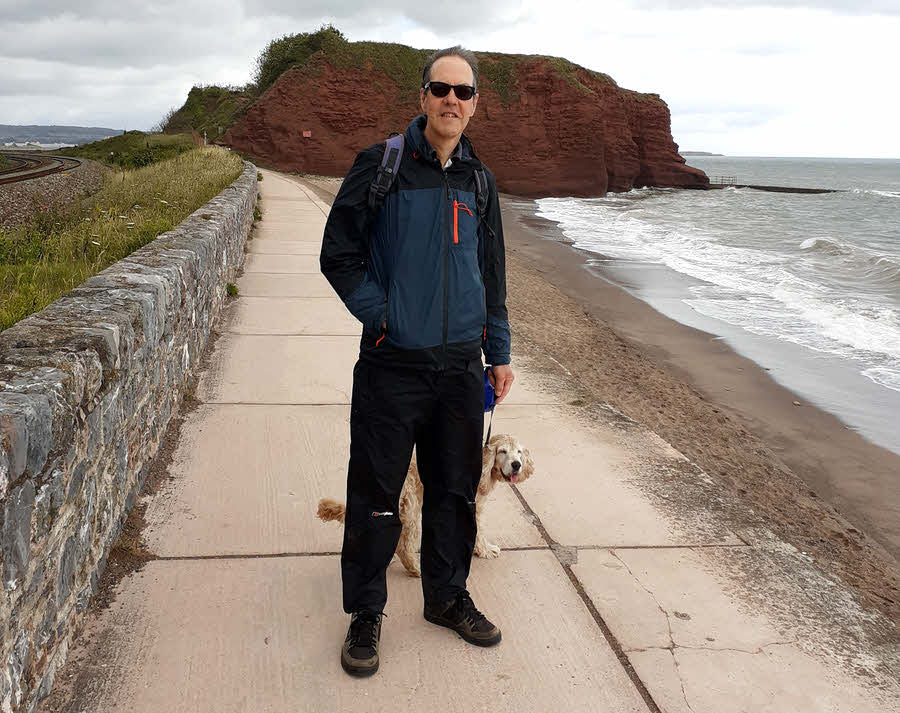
527,464
488,456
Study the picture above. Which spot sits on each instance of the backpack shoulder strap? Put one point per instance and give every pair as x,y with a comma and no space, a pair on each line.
387,171
482,195
481,191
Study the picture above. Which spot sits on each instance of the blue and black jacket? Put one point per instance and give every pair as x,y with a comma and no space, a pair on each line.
425,265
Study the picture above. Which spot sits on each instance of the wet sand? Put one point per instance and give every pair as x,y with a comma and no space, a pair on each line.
823,487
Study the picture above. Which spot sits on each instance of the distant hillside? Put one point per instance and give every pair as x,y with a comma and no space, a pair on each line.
700,153
54,134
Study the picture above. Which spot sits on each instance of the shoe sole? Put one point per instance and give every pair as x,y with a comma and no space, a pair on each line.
478,642
359,671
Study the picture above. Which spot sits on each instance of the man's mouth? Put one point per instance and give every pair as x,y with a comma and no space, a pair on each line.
449,115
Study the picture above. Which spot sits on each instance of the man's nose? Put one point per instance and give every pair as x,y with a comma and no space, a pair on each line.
516,465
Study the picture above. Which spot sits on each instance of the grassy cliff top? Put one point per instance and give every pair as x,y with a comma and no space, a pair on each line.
402,63
214,109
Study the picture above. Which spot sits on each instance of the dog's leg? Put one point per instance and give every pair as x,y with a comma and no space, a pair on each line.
483,548
409,539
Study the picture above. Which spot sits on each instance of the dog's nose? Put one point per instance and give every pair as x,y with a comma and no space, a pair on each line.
516,465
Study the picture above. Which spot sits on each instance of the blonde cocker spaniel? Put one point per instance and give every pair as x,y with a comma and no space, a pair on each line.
503,458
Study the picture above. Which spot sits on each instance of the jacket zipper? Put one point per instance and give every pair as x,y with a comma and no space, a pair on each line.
446,273
387,316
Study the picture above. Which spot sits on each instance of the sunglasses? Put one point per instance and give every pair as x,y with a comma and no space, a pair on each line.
441,89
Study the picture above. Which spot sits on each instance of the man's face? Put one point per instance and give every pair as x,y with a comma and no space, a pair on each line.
448,116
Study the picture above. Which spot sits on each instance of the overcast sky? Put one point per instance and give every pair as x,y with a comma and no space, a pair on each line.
741,77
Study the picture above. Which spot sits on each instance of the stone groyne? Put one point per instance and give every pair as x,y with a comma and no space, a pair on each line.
87,388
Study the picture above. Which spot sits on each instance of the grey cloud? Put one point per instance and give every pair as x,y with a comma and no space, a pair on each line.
196,13
719,122
466,15
98,33
846,7
113,43
131,10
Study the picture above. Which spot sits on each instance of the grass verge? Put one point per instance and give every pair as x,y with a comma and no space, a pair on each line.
53,253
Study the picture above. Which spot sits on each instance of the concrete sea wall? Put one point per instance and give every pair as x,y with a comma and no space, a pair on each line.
87,388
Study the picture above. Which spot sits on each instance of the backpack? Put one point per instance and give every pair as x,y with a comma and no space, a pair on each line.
387,172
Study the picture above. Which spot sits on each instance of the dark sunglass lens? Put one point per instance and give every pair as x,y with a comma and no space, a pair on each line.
463,92
439,89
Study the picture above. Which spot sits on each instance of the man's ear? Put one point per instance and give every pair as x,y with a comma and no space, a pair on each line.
474,102
422,100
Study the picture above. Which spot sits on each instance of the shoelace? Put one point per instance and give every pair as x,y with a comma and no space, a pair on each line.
468,609
364,631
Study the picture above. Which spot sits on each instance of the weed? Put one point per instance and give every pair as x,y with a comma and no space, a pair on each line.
257,213
259,175
231,289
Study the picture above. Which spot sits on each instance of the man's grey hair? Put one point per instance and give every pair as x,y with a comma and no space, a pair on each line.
456,51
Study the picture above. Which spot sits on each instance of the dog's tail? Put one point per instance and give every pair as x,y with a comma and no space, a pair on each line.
331,510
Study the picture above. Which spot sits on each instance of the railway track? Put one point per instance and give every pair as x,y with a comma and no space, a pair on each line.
27,166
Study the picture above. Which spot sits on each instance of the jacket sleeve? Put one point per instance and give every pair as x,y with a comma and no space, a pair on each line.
497,342
345,245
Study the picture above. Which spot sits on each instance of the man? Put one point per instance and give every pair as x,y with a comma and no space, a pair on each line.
426,276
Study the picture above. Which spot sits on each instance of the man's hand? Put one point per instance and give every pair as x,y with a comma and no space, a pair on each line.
502,378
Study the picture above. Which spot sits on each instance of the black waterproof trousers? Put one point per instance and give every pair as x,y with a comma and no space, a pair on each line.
440,413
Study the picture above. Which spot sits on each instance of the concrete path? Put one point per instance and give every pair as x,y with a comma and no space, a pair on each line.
608,600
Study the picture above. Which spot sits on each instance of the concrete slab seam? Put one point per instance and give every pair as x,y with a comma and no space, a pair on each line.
685,546
249,556
613,642
313,199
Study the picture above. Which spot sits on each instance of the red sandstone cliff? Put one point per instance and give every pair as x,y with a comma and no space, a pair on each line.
560,134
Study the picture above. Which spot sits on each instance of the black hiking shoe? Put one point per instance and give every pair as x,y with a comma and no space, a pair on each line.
359,657
461,615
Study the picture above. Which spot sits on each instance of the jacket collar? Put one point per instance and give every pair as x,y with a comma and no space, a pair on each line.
415,136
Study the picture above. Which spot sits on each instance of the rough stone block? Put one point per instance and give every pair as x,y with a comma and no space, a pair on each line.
15,536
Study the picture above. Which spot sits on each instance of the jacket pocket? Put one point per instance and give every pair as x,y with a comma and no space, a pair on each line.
459,207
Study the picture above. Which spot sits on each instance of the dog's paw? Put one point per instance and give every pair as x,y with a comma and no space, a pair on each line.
487,550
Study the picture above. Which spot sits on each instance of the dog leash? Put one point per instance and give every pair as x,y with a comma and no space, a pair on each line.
490,425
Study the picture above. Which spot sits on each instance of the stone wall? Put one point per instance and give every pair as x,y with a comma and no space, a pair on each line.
87,388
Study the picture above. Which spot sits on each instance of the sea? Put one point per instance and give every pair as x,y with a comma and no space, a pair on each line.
807,286
32,146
